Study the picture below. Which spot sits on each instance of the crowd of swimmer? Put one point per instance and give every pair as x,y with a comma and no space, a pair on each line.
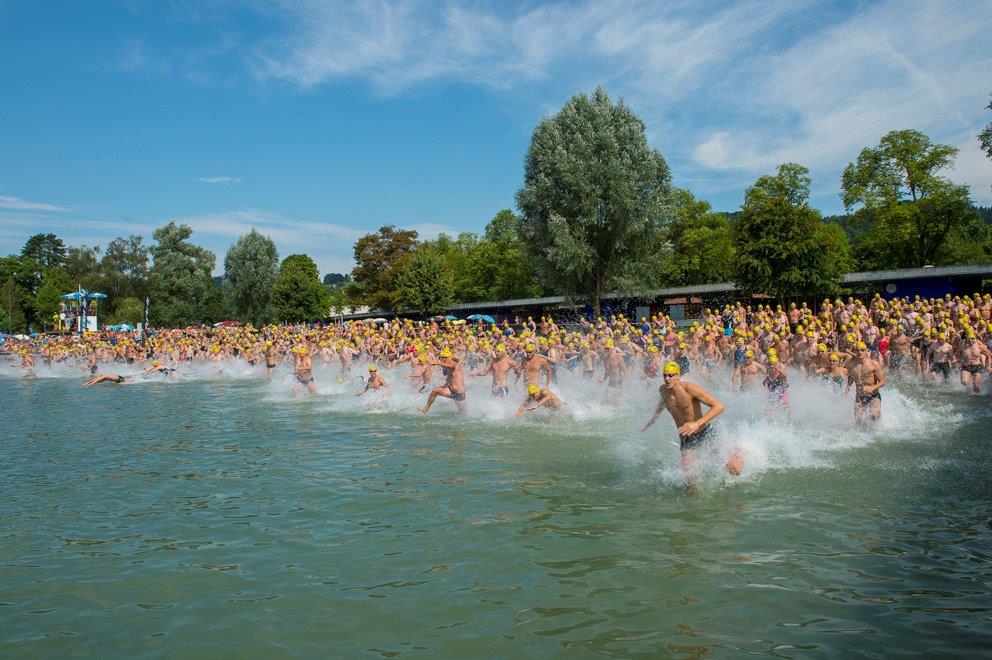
849,344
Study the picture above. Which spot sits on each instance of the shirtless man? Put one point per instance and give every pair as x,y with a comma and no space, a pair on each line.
746,374
838,373
900,350
303,368
106,378
868,378
421,371
375,381
270,359
532,365
615,369
537,397
684,402
939,356
346,352
454,385
974,359
499,367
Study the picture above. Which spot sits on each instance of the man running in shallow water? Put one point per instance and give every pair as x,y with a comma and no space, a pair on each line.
684,402
868,378
499,367
454,384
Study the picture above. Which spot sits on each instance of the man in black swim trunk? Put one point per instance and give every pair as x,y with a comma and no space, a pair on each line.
684,401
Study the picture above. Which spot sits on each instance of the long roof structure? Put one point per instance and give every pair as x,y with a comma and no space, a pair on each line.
721,287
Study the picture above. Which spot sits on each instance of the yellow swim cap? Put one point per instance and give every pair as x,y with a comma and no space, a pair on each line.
530,348
822,348
772,359
861,346
533,389
834,357
749,353
672,368
446,353
652,349
372,368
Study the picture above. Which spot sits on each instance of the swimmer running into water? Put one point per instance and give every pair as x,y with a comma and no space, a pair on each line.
375,381
454,384
684,401
537,397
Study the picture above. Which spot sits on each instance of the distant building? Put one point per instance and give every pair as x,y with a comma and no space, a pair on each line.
688,302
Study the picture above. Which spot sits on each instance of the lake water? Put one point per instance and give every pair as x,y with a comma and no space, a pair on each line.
224,517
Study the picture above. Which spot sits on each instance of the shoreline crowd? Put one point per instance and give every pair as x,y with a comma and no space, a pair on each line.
847,344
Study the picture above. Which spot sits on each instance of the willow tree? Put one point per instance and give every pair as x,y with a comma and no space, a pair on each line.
250,270
593,199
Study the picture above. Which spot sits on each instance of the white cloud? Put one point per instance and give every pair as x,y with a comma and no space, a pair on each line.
19,204
219,179
892,66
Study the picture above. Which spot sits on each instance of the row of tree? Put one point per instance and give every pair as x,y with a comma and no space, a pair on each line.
175,275
598,213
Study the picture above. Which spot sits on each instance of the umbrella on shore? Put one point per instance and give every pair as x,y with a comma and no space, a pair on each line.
485,318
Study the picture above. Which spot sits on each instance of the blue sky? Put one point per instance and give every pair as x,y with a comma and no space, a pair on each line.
317,121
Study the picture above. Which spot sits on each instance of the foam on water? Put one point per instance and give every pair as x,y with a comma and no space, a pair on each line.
818,424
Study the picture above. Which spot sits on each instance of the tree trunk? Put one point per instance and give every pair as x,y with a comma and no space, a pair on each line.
597,295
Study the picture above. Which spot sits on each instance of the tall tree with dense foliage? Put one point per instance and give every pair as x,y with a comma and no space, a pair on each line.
911,216
82,263
985,137
12,298
181,283
25,275
783,246
125,268
297,294
49,296
379,259
497,265
426,283
250,270
699,245
128,310
47,249
593,198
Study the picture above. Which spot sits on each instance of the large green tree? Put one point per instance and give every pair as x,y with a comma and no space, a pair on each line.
128,310
46,301
125,269
426,283
699,244
297,294
12,302
250,270
910,215
379,259
26,274
985,137
47,249
83,266
497,267
593,198
181,281
783,246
